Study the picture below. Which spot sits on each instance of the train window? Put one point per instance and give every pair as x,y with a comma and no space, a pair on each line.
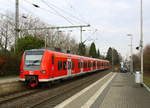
85,65
69,65
52,59
59,65
81,65
89,64
64,65
72,65
94,64
78,64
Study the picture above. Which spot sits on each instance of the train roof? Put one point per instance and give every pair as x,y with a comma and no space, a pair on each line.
67,54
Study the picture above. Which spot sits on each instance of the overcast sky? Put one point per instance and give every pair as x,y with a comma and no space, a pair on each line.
113,19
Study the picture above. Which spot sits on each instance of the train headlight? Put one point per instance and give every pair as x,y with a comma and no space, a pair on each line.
21,71
43,71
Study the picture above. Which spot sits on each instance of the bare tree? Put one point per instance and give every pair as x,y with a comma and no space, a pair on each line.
54,38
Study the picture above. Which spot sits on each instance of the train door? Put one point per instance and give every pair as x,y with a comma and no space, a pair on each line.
96,64
81,69
69,64
91,65
53,66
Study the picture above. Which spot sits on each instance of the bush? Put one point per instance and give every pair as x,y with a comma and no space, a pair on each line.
28,42
9,65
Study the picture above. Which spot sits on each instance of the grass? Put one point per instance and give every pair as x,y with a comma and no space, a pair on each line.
147,81
7,77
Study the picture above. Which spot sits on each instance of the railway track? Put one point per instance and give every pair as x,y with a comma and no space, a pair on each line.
11,97
53,96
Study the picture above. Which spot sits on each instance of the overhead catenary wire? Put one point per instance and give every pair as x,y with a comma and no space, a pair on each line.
6,16
56,12
39,8
79,15
50,12
71,15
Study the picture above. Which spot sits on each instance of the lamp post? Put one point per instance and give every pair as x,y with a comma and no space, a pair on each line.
131,49
141,39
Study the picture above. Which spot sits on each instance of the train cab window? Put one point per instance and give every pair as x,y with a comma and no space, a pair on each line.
64,65
52,59
59,65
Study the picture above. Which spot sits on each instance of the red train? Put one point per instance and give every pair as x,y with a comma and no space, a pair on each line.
43,65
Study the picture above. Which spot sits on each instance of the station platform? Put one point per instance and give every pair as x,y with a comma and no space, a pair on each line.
115,90
8,80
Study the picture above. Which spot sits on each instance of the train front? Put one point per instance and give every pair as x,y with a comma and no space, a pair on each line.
31,67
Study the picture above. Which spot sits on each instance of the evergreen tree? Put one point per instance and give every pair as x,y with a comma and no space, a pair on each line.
82,49
116,57
109,54
92,51
98,54
113,53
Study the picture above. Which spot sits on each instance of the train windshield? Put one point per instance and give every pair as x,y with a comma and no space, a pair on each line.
33,60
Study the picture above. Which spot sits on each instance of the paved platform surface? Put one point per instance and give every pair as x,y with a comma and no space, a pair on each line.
122,92
8,80
84,98
115,90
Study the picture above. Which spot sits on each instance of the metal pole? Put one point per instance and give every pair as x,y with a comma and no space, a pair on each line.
57,37
16,24
112,59
81,34
131,55
46,41
141,41
58,27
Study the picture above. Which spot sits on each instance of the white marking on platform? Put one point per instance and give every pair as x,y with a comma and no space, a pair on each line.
66,102
146,87
97,94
